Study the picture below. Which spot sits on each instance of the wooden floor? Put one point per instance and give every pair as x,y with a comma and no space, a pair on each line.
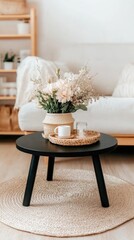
14,163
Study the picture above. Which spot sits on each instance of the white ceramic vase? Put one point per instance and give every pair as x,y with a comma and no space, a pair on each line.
52,120
8,65
23,28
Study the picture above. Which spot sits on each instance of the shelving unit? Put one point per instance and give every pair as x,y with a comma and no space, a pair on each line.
7,97
7,71
31,17
13,36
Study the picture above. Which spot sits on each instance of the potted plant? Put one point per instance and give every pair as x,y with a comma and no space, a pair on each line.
60,96
8,60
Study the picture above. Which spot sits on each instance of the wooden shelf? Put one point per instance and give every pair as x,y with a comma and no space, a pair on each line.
12,132
33,34
15,36
14,17
7,97
8,71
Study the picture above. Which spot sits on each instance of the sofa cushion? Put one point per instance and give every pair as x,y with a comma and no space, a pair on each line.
125,85
107,115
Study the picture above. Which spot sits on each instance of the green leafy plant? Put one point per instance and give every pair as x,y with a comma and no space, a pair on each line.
9,57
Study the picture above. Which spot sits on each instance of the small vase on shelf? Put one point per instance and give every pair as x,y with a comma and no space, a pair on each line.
8,65
9,60
23,27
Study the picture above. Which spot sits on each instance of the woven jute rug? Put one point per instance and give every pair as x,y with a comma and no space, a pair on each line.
67,206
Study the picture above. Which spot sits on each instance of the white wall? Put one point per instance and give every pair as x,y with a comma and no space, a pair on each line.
84,21
97,32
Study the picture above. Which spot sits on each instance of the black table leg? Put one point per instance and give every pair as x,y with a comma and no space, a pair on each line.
50,168
100,180
30,180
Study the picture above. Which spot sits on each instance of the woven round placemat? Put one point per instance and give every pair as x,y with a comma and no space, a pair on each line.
68,206
89,138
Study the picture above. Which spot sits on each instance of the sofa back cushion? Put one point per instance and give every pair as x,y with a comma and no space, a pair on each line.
125,85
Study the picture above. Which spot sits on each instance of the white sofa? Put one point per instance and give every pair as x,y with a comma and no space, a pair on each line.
113,114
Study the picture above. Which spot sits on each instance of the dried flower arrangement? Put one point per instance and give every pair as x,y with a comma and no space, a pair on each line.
66,93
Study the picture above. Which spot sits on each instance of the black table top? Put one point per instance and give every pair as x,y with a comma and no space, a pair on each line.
37,145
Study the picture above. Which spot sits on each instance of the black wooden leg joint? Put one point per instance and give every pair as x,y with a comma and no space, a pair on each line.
50,168
100,180
30,180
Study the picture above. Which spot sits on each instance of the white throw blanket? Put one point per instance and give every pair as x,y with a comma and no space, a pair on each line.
29,69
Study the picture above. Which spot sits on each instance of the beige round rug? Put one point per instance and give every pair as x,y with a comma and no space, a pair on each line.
68,206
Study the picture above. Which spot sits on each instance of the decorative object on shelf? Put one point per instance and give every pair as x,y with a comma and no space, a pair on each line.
64,94
24,53
5,112
17,61
8,88
8,60
3,79
8,118
52,120
89,138
23,27
13,7
14,120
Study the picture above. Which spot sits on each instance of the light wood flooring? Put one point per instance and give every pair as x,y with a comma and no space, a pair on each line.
14,163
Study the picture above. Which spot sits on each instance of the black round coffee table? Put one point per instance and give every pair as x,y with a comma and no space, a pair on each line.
36,145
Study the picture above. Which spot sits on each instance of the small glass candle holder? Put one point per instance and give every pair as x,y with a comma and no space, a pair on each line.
81,128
